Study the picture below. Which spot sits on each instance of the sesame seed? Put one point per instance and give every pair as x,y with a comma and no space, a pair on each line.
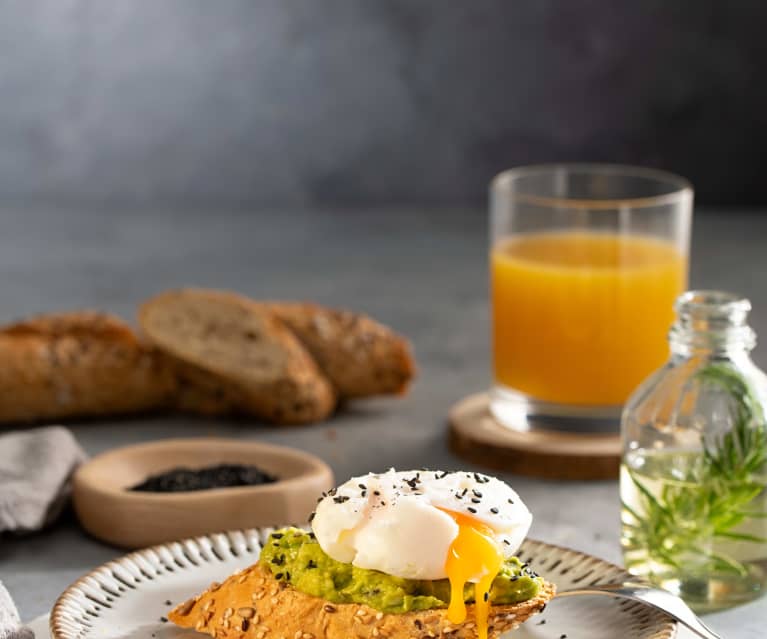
472,510
494,510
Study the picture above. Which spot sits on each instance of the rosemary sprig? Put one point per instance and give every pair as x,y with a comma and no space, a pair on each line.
714,496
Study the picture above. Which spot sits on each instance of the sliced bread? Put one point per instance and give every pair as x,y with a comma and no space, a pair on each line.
252,604
236,351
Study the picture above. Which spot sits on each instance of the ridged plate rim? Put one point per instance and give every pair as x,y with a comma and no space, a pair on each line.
94,593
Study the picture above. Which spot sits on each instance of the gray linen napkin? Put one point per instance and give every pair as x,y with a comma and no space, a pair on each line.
35,468
10,624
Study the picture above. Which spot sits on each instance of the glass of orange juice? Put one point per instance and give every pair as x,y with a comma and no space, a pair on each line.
585,263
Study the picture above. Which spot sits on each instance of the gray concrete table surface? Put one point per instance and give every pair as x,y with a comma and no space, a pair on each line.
423,273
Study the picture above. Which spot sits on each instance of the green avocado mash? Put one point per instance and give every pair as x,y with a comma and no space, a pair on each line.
294,556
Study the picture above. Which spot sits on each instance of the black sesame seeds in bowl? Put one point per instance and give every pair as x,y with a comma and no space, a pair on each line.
182,479
173,489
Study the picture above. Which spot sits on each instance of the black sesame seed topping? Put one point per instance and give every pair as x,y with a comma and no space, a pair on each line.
332,491
511,501
376,493
362,486
340,499
471,510
486,596
278,575
474,500
477,493
311,564
164,619
311,517
541,622
465,490
507,542
287,575
312,535
494,510
277,535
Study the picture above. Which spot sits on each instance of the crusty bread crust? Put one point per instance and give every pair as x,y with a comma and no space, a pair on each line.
252,604
360,356
232,355
78,364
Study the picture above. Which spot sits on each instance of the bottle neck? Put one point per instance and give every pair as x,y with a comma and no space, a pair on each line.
711,324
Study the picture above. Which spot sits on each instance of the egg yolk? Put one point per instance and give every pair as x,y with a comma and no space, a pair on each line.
473,556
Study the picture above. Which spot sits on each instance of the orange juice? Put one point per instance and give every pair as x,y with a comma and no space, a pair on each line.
582,317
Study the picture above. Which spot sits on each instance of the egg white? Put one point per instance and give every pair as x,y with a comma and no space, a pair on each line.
395,522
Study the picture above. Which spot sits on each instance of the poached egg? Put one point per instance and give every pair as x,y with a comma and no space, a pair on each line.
426,525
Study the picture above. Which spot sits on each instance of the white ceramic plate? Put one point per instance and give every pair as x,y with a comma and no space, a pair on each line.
129,598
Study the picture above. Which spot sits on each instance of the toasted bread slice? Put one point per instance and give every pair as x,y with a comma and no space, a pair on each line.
78,364
360,356
260,366
253,604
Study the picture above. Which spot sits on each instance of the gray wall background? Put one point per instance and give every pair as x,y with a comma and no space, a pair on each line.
352,102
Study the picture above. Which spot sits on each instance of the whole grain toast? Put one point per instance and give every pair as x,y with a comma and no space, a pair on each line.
226,347
252,604
78,364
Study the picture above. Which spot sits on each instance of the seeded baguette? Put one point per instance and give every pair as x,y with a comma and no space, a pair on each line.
232,354
78,364
252,604
360,356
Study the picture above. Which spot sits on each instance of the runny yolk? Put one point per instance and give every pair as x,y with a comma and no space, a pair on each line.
473,555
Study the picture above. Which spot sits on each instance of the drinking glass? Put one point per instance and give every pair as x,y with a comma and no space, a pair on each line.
586,261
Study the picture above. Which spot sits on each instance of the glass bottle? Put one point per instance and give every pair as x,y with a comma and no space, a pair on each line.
694,471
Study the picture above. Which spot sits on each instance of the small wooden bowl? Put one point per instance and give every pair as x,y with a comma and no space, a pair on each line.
112,513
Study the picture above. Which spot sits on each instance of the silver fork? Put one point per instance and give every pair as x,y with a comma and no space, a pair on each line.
663,600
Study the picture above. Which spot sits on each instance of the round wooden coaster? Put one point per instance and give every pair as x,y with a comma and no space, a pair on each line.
477,436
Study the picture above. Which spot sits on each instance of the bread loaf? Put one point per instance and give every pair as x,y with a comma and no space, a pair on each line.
78,364
233,354
360,356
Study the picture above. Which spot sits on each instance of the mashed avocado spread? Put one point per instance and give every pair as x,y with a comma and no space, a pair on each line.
294,556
